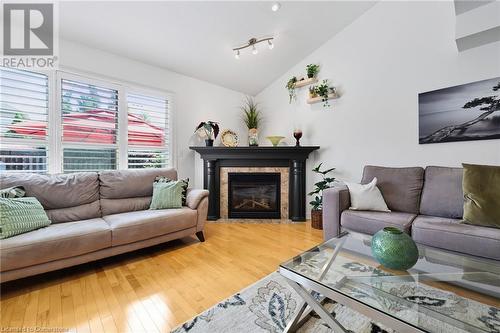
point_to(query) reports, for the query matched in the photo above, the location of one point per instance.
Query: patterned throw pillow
(167, 195)
(13, 192)
(185, 184)
(20, 215)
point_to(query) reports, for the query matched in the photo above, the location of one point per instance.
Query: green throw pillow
(12, 192)
(167, 195)
(481, 187)
(20, 215)
(185, 181)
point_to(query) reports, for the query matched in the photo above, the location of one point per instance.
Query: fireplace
(254, 195)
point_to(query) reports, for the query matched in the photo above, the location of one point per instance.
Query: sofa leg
(200, 236)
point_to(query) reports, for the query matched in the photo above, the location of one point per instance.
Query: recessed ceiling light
(276, 6)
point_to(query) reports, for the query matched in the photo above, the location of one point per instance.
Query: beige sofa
(95, 215)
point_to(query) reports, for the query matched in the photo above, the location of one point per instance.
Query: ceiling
(196, 38)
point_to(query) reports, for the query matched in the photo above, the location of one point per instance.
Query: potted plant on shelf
(210, 130)
(312, 70)
(312, 92)
(252, 118)
(290, 86)
(323, 90)
(317, 193)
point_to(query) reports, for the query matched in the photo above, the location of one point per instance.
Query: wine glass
(297, 134)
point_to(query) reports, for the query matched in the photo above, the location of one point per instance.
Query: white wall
(194, 100)
(380, 63)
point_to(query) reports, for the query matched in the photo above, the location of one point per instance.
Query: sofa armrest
(335, 201)
(194, 197)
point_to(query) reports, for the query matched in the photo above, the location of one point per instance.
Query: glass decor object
(394, 249)
(275, 139)
(297, 134)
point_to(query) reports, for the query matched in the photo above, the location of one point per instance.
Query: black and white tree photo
(460, 113)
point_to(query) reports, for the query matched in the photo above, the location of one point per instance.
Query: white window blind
(24, 107)
(89, 126)
(148, 131)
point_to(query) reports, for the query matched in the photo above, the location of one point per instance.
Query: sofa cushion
(21, 215)
(139, 225)
(131, 183)
(54, 242)
(452, 235)
(442, 194)
(369, 222)
(116, 206)
(60, 191)
(481, 186)
(401, 187)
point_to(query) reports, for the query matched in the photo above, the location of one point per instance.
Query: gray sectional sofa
(95, 215)
(425, 203)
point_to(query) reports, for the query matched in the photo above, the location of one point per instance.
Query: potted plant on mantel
(210, 129)
(252, 118)
(317, 202)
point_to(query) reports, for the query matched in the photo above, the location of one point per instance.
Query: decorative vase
(317, 219)
(394, 249)
(253, 137)
(209, 142)
(310, 76)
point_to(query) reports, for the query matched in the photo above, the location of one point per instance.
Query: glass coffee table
(443, 292)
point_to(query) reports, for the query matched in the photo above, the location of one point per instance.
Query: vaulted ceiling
(196, 38)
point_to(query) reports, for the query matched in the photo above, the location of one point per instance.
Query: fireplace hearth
(254, 195)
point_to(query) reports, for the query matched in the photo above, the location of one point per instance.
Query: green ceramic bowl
(275, 139)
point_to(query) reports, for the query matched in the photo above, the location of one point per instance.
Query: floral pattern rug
(268, 305)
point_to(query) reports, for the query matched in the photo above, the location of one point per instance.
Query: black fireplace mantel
(284, 156)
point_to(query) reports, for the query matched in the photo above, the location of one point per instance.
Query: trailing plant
(290, 85)
(323, 90)
(211, 129)
(251, 113)
(319, 187)
(312, 70)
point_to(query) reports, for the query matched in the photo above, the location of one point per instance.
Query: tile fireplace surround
(224, 178)
(289, 162)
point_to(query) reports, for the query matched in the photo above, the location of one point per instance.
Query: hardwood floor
(155, 289)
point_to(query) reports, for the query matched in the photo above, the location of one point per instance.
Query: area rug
(268, 305)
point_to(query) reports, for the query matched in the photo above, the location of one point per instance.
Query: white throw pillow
(366, 197)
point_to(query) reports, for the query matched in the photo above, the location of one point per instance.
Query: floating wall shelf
(319, 99)
(305, 82)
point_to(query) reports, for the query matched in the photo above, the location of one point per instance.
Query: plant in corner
(317, 193)
(210, 129)
(322, 91)
(312, 70)
(290, 86)
(252, 118)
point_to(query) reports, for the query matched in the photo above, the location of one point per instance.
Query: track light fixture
(252, 42)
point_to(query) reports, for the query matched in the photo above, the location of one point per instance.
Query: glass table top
(443, 292)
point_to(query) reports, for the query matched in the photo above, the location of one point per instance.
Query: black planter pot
(310, 76)
(209, 142)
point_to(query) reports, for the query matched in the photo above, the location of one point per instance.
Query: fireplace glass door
(254, 195)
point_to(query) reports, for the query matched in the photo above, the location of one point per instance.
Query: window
(24, 108)
(89, 126)
(148, 136)
(62, 122)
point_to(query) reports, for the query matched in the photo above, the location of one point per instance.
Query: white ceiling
(196, 38)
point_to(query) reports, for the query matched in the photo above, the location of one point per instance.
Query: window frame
(49, 153)
(54, 142)
(138, 90)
